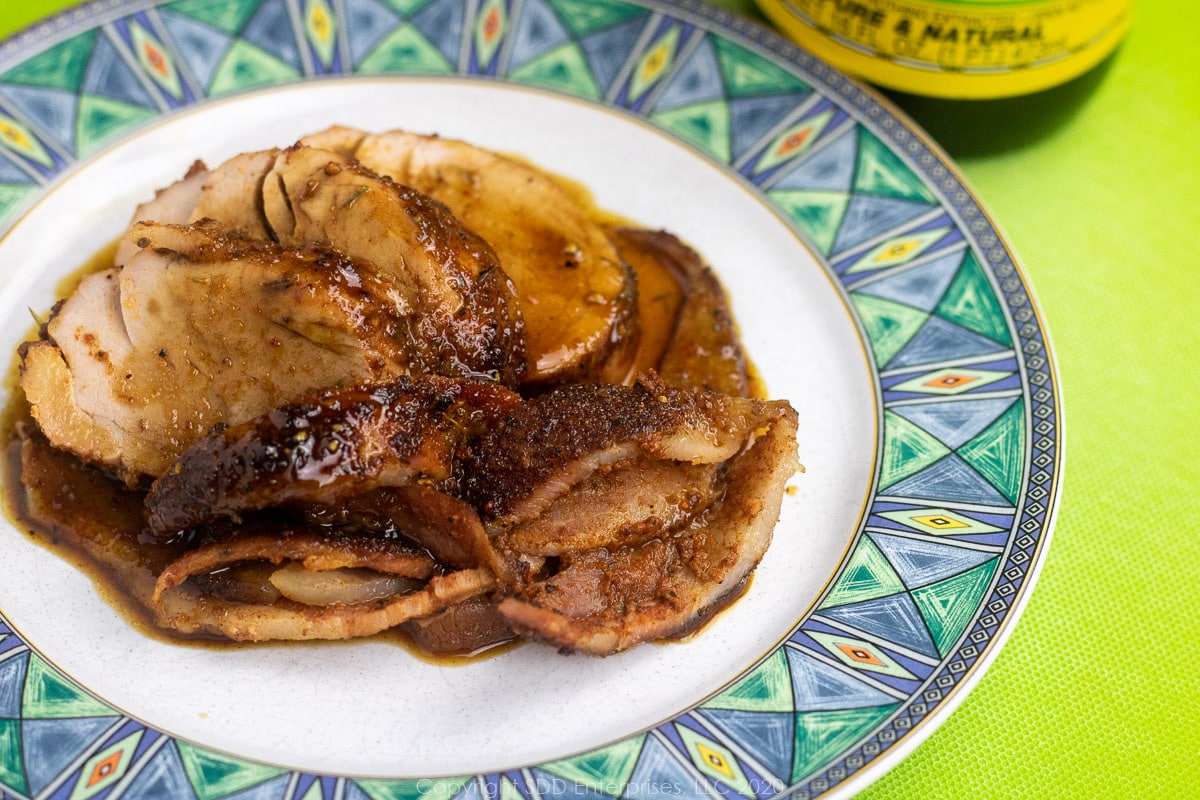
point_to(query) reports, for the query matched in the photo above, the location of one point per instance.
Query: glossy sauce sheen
(81, 512)
(84, 512)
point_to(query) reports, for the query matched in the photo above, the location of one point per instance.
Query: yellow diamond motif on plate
(490, 28)
(654, 63)
(16, 137)
(939, 522)
(898, 250)
(320, 27)
(715, 760)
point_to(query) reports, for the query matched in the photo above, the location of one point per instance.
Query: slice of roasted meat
(328, 587)
(360, 280)
(199, 329)
(445, 279)
(443, 525)
(605, 515)
(462, 629)
(333, 444)
(173, 204)
(377, 381)
(700, 346)
(295, 602)
(578, 299)
(607, 599)
(448, 282)
(641, 510)
(255, 581)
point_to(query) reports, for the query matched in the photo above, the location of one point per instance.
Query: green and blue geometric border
(969, 463)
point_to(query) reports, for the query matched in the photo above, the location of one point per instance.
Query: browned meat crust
(703, 349)
(607, 599)
(311, 360)
(554, 440)
(336, 443)
(578, 299)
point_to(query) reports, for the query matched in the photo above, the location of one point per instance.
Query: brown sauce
(95, 522)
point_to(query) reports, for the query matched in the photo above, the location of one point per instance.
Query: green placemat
(1098, 189)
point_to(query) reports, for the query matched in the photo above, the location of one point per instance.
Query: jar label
(957, 47)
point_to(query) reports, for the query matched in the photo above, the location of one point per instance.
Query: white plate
(871, 290)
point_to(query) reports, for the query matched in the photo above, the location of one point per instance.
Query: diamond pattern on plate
(50, 747)
(19, 140)
(769, 736)
(939, 522)
(950, 381)
(321, 33)
(106, 767)
(654, 63)
(861, 654)
(947, 543)
(155, 60)
(491, 28)
(716, 761)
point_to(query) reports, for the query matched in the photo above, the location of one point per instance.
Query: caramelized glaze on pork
(391, 380)
(578, 297)
(335, 443)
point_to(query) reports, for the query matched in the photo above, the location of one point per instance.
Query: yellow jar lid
(967, 49)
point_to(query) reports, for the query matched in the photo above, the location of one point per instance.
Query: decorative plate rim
(927, 678)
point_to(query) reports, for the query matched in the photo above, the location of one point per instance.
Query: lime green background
(1097, 185)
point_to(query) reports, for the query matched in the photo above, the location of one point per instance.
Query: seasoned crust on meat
(578, 298)
(324, 274)
(393, 380)
(334, 443)
(673, 510)
(557, 438)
